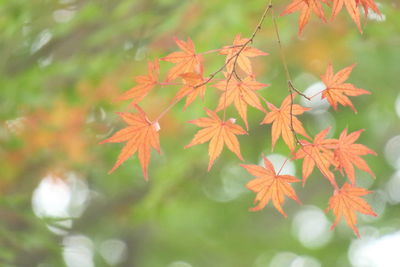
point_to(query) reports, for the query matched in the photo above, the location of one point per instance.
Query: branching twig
(234, 58)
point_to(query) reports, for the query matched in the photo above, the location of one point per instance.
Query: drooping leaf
(218, 132)
(336, 90)
(306, 7)
(368, 4)
(346, 202)
(186, 60)
(141, 135)
(243, 60)
(189, 89)
(318, 153)
(353, 10)
(348, 154)
(240, 93)
(270, 186)
(282, 119)
(144, 84)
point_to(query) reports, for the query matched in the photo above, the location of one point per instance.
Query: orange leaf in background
(219, 132)
(186, 60)
(243, 60)
(145, 84)
(241, 93)
(317, 153)
(141, 135)
(347, 153)
(190, 80)
(336, 91)
(305, 7)
(270, 186)
(281, 122)
(346, 202)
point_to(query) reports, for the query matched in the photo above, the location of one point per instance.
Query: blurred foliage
(62, 64)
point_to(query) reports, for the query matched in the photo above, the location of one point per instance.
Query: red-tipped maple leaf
(240, 93)
(353, 10)
(282, 119)
(317, 153)
(186, 60)
(336, 91)
(346, 202)
(270, 186)
(348, 154)
(189, 89)
(145, 84)
(243, 60)
(141, 135)
(306, 7)
(217, 132)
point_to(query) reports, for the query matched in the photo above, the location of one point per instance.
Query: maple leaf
(336, 91)
(352, 9)
(145, 84)
(282, 119)
(243, 60)
(186, 60)
(348, 154)
(270, 186)
(191, 80)
(368, 4)
(217, 132)
(141, 135)
(318, 153)
(346, 202)
(241, 93)
(306, 7)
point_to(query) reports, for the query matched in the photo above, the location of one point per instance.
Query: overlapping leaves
(240, 89)
(307, 7)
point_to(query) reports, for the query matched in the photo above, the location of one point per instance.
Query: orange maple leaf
(317, 153)
(141, 135)
(368, 4)
(346, 202)
(306, 7)
(269, 185)
(243, 60)
(352, 9)
(219, 132)
(241, 93)
(347, 153)
(186, 60)
(336, 91)
(282, 119)
(191, 80)
(145, 84)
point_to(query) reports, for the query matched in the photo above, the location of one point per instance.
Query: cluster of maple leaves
(306, 7)
(239, 88)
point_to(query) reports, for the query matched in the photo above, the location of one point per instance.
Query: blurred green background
(62, 64)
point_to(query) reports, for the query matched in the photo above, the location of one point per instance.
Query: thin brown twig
(291, 88)
(236, 56)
